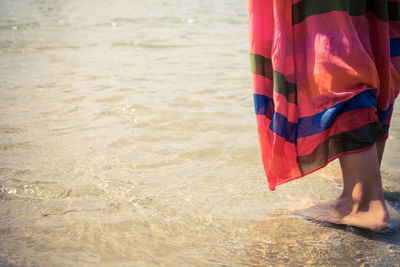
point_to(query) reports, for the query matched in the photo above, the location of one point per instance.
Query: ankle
(362, 196)
(359, 198)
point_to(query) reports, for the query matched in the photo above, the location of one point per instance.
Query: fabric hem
(384, 138)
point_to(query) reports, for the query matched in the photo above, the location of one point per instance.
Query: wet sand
(127, 137)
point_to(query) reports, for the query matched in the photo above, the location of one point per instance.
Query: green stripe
(382, 9)
(263, 66)
(347, 141)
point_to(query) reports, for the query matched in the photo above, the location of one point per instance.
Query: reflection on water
(128, 137)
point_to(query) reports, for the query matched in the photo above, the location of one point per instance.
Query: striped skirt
(325, 77)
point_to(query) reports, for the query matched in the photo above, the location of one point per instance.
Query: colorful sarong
(325, 78)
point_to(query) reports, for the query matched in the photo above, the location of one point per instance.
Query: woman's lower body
(325, 77)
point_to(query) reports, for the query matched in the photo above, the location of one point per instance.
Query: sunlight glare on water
(128, 137)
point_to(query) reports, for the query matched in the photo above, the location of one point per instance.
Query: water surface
(127, 136)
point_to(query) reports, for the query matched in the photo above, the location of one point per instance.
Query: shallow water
(128, 137)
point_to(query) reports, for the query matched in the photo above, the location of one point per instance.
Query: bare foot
(373, 216)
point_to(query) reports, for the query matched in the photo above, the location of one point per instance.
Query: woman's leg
(361, 203)
(380, 147)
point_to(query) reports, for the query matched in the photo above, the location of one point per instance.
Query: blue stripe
(382, 114)
(320, 122)
(264, 105)
(282, 127)
(394, 47)
(317, 123)
(279, 123)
